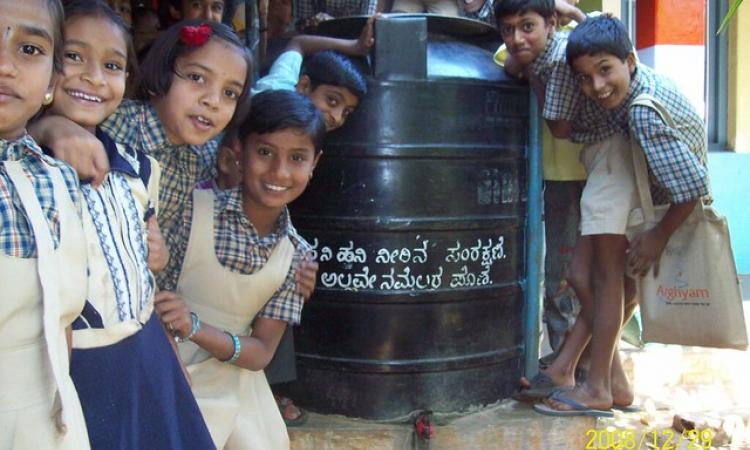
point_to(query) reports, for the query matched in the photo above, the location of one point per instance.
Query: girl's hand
(645, 251)
(74, 145)
(158, 254)
(173, 313)
(306, 276)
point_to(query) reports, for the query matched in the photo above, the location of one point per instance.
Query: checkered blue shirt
(563, 98)
(239, 248)
(16, 235)
(182, 167)
(676, 156)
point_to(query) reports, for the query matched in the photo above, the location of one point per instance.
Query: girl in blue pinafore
(129, 379)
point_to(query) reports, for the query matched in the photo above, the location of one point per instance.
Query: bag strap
(640, 166)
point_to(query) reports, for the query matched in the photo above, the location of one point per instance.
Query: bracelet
(237, 348)
(196, 326)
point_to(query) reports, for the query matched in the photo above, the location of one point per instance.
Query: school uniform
(609, 193)
(676, 157)
(43, 278)
(564, 179)
(255, 277)
(284, 75)
(182, 167)
(129, 380)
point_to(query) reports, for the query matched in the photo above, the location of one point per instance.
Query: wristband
(237, 348)
(196, 326)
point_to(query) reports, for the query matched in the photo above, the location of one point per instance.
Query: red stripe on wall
(676, 22)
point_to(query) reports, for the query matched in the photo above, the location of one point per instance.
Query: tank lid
(460, 27)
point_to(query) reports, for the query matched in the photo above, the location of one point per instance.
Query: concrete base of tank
(508, 425)
(679, 388)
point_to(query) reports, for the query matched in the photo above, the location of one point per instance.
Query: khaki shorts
(610, 192)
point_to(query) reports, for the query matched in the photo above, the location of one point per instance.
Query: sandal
(576, 408)
(287, 409)
(541, 387)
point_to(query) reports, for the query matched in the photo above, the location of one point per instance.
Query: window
(717, 62)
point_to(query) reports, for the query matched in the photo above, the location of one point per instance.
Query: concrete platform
(679, 388)
(704, 387)
(507, 425)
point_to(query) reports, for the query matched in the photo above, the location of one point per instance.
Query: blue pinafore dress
(129, 380)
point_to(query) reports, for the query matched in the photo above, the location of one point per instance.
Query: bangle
(196, 326)
(237, 348)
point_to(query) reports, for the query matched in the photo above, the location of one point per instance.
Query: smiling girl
(128, 377)
(243, 245)
(42, 253)
(195, 82)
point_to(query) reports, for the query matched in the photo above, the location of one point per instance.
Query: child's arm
(513, 67)
(158, 254)
(309, 44)
(74, 145)
(176, 351)
(256, 350)
(646, 248)
(69, 340)
(560, 129)
(677, 169)
(305, 277)
(566, 10)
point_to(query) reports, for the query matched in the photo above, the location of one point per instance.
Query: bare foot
(557, 380)
(622, 391)
(583, 395)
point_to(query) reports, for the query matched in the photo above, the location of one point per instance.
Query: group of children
(102, 277)
(590, 85)
(139, 312)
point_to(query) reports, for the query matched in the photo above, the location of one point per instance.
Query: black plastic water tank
(417, 214)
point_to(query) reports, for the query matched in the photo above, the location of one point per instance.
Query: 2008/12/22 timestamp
(666, 439)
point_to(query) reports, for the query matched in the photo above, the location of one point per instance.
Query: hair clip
(195, 36)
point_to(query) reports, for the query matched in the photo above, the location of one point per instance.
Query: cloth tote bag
(696, 298)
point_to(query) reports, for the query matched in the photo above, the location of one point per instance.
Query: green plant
(728, 17)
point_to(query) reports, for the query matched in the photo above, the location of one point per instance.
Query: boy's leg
(609, 270)
(561, 306)
(622, 390)
(561, 218)
(562, 369)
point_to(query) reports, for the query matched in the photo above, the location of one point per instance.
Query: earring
(311, 175)
(48, 97)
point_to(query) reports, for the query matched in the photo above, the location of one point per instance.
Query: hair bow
(195, 36)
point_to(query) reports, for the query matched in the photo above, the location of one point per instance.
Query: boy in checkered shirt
(602, 58)
(537, 52)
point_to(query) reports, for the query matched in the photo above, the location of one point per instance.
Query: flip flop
(627, 409)
(541, 387)
(284, 405)
(579, 409)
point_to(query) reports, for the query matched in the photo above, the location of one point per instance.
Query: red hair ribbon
(195, 36)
